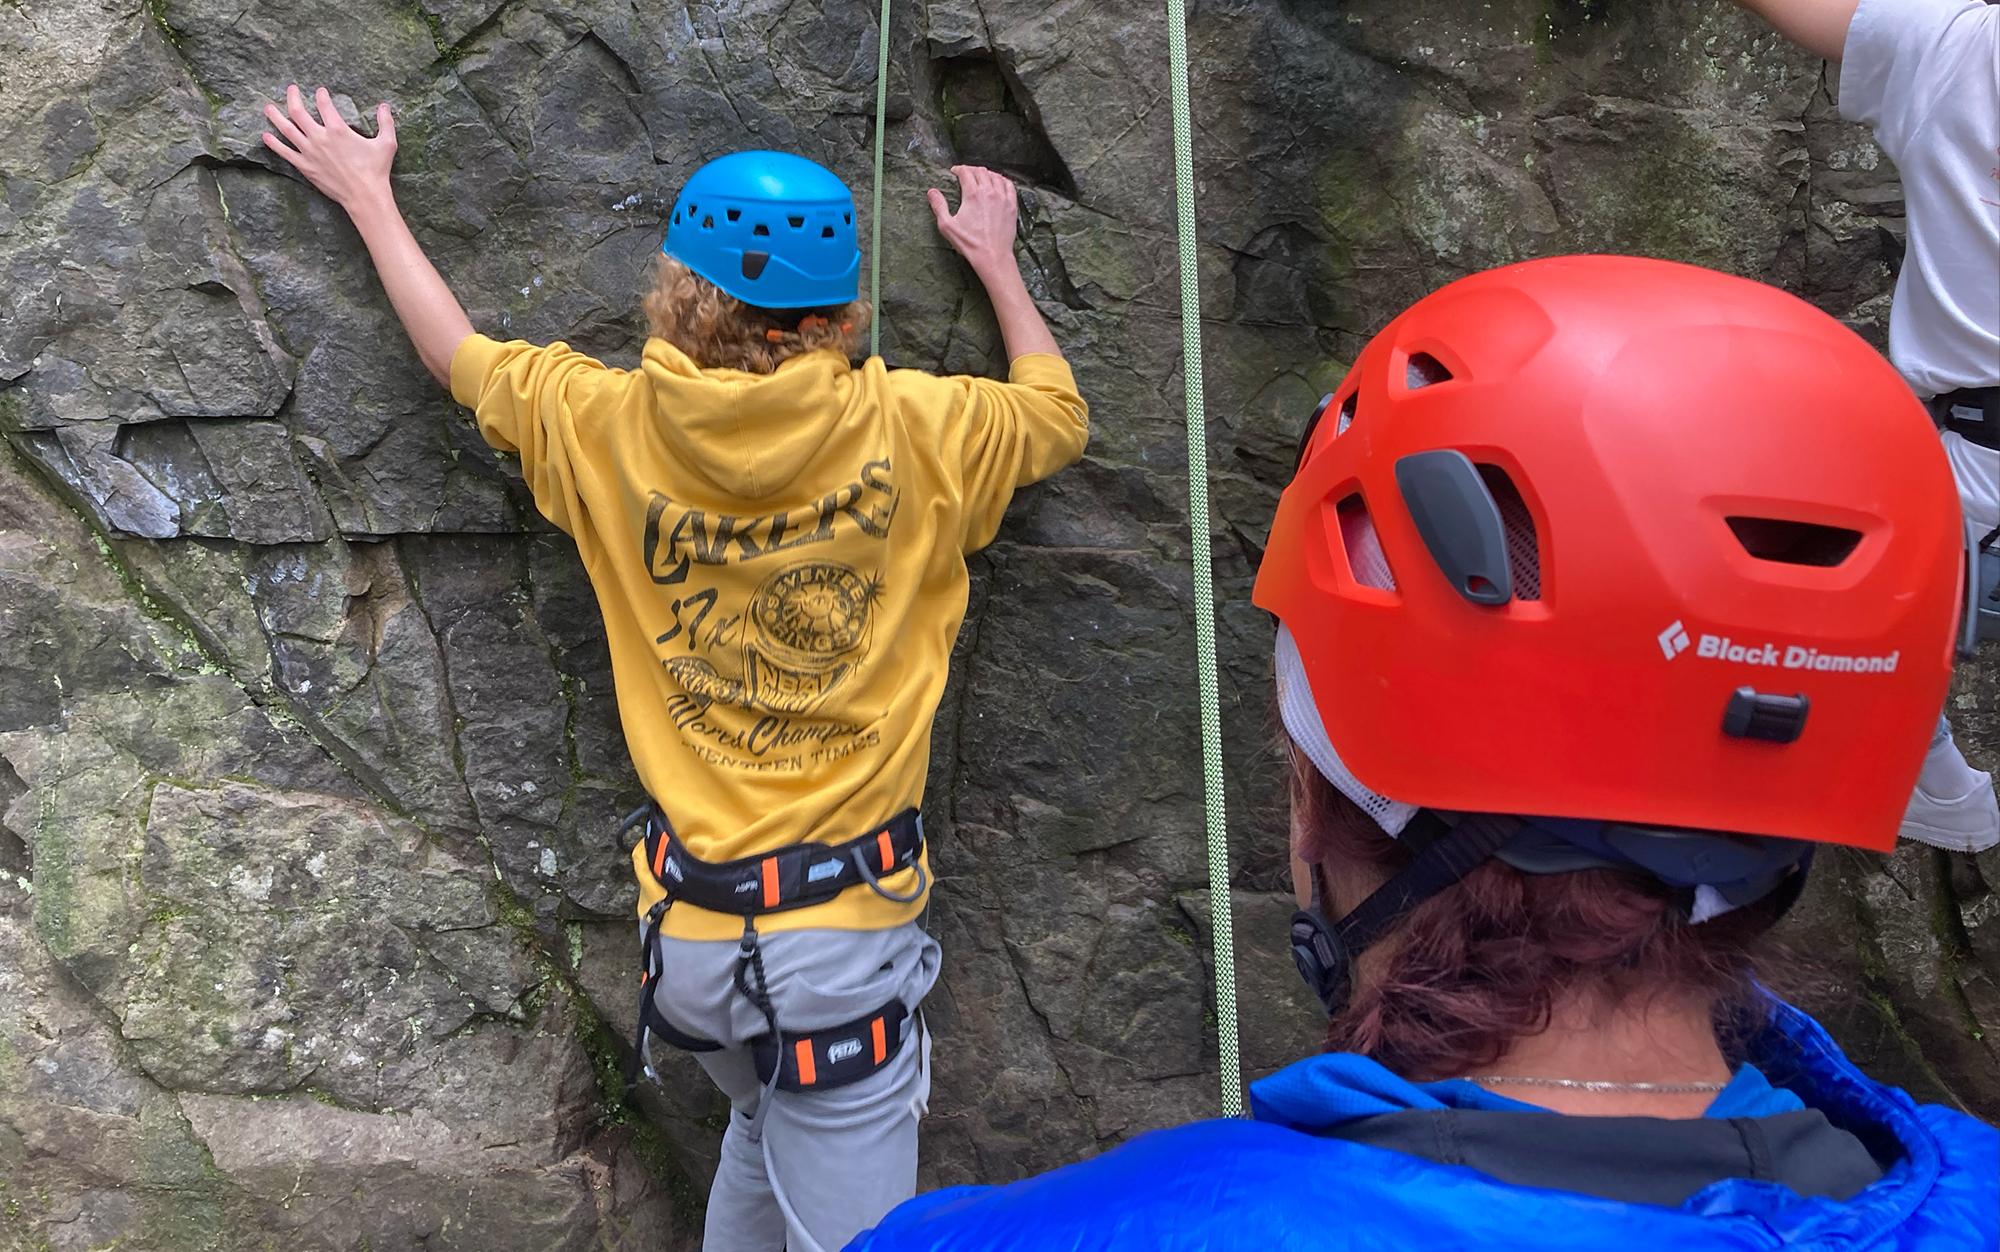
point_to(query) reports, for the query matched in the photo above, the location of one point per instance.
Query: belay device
(797, 876)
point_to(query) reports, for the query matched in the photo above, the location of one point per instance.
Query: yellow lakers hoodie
(780, 560)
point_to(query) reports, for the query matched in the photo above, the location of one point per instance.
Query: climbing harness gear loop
(859, 855)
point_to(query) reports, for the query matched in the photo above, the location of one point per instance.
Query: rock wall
(313, 929)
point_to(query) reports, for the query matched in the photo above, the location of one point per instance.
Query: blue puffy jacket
(1257, 1186)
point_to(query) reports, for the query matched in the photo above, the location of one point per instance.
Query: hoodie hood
(750, 436)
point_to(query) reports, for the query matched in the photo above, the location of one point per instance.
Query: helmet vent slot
(796, 223)
(735, 213)
(1365, 558)
(1524, 552)
(826, 232)
(1306, 435)
(760, 229)
(1312, 424)
(708, 223)
(1424, 370)
(1794, 543)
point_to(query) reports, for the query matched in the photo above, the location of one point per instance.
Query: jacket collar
(1795, 1052)
(1792, 1051)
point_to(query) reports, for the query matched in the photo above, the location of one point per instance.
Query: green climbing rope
(875, 218)
(1204, 579)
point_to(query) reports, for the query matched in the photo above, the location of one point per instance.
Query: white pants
(827, 1164)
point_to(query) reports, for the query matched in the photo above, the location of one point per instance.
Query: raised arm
(352, 170)
(1818, 26)
(983, 232)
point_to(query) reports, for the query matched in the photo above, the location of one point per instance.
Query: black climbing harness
(797, 876)
(1984, 429)
(1982, 557)
(1982, 592)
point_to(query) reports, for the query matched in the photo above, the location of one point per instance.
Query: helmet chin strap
(1735, 869)
(1325, 951)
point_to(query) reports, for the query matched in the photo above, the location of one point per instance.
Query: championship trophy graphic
(808, 628)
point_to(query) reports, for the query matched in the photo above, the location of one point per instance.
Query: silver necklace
(1650, 1088)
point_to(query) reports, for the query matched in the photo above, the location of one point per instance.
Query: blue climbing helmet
(772, 229)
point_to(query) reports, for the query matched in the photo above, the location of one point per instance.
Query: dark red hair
(1484, 963)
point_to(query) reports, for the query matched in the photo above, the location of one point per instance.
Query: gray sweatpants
(828, 1164)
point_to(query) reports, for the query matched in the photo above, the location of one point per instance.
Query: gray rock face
(313, 930)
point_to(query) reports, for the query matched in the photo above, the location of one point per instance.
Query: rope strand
(875, 218)
(1204, 581)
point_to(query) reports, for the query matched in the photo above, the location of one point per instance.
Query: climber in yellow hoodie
(777, 539)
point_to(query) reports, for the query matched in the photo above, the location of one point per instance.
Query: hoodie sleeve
(1015, 433)
(527, 400)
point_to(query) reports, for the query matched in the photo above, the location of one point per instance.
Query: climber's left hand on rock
(348, 166)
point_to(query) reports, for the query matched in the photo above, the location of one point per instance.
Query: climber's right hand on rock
(347, 166)
(983, 232)
(983, 228)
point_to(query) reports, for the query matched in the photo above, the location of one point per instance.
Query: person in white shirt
(1925, 75)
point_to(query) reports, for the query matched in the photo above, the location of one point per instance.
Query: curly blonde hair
(718, 331)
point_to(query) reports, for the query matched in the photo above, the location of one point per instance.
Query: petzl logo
(1674, 640)
(842, 1050)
